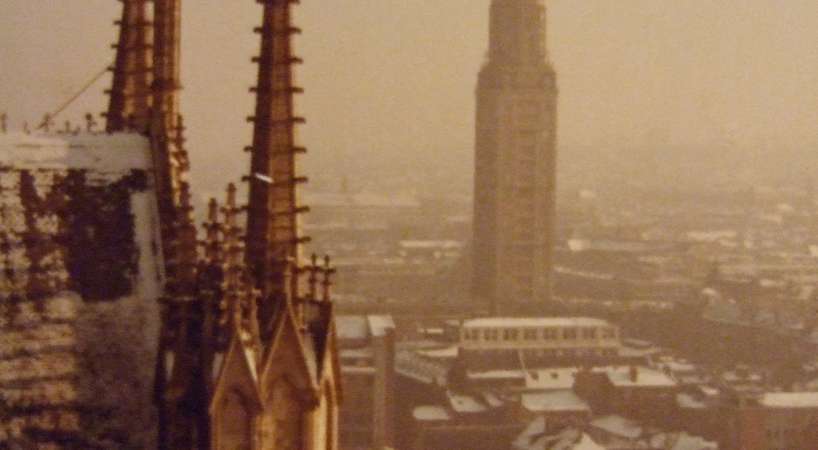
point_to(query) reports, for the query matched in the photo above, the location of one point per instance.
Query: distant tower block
(515, 160)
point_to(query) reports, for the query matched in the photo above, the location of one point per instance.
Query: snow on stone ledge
(103, 153)
(105, 159)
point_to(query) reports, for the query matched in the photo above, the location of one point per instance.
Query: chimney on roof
(634, 374)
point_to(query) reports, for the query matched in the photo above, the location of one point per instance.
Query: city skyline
(668, 300)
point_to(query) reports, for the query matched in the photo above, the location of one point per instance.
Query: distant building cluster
(605, 392)
(389, 245)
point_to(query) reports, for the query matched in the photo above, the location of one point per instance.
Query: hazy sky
(393, 80)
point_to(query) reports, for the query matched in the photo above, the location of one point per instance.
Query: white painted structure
(539, 333)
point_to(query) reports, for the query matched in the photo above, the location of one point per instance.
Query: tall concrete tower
(515, 160)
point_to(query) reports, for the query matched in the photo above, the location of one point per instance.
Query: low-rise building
(635, 392)
(367, 416)
(780, 420)
(540, 342)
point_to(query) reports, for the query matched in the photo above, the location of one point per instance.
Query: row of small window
(533, 334)
(573, 353)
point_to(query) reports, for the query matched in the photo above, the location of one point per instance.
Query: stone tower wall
(79, 281)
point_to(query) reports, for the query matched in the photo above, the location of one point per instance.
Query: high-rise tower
(515, 160)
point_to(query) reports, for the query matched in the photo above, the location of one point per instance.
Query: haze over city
(391, 83)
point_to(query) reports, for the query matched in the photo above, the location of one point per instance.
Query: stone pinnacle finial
(130, 92)
(213, 229)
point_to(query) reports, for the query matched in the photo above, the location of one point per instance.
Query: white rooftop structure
(101, 153)
(637, 377)
(790, 400)
(495, 375)
(551, 379)
(380, 324)
(465, 403)
(682, 441)
(564, 377)
(430, 413)
(687, 401)
(618, 426)
(363, 327)
(351, 327)
(554, 401)
(413, 366)
(534, 437)
(441, 353)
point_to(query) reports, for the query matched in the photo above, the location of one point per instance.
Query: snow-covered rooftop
(534, 437)
(411, 365)
(637, 377)
(492, 399)
(465, 403)
(677, 365)
(618, 426)
(431, 413)
(496, 375)
(554, 401)
(790, 400)
(687, 401)
(380, 324)
(441, 353)
(681, 441)
(362, 327)
(550, 379)
(103, 153)
(631, 352)
(351, 327)
(533, 432)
